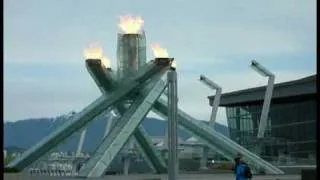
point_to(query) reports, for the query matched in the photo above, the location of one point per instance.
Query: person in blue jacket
(242, 170)
(236, 162)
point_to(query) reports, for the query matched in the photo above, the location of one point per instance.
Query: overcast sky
(45, 75)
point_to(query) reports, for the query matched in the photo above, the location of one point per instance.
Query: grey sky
(44, 72)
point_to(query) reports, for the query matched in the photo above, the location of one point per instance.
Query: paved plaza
(154, 177)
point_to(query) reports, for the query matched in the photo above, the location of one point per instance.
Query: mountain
(12, 149)
(26, 133)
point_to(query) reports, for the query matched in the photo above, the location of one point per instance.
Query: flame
(106, 62)
(93, 52)
(131, 25)
(174, 64)
(159, 52)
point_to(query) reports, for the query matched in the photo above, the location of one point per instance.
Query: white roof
(192, 139)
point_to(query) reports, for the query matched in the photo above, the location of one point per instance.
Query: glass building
(290, 136)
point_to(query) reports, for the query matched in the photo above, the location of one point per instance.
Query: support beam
(215, 106)
(127, 159)
(109, 125)
(166, 139)
(106, 82)
(81, 119)
(216, 100)
(266, 108)
(173, 159)
(267, 98)
(124, 128)
(150, 154)
(81, 141)
(204, 158)
(223, 145)
(63, 132)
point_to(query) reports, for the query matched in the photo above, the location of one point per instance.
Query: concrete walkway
(24, 176)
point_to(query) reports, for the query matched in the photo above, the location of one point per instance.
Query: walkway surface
(154, 177)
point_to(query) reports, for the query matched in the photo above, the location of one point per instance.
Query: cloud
(44, 73)
(46, 96)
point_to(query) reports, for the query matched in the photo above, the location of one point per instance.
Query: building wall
(290, 137)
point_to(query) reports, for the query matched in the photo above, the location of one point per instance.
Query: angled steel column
(81, 141)
(216, 100)
(267, 98)
(223, 145)
(150, 154)
(125, 127)
(127, 160)
(81, 119)
(108, 125)
(166, 133)
(101, 85)
(108, 83)
(266, 107)
(63, 132)
(173, 159)
(215, 106)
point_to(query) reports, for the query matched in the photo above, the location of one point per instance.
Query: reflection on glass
(290, 134)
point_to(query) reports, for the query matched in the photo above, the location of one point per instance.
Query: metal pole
(267, 98)
(127, 160)
(204, 157)
(4, 155)
(81, 141)
(109, 124)
(266, 107)
(173, 161)
(215, 107)
(216, 101)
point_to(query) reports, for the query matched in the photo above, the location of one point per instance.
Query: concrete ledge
(308, 174)
(16, 176)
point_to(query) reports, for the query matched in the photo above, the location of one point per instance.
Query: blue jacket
(240, 172)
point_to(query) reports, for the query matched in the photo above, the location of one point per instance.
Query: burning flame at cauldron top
(93, 52)
(174, 64)
(106, 62)
(159, 52)
(131, 25)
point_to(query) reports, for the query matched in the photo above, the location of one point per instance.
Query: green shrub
(11, 170)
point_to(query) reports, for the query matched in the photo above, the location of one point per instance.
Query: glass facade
(290, 136)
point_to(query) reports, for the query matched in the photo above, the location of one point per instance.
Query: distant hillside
(11, 149)
(26, 133)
